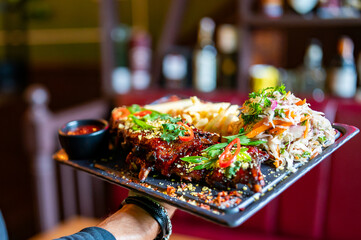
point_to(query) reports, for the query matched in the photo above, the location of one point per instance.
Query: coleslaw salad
(292, 130)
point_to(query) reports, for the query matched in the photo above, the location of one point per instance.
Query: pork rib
(145, 155)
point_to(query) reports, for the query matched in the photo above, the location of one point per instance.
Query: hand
(132, 222)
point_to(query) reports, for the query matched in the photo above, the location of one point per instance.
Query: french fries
(213, 117)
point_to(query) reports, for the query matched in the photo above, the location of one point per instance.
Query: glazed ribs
(147, 153)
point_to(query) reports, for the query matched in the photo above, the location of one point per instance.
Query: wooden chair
(78, 192)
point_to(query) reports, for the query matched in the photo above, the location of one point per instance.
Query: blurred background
(61, 60)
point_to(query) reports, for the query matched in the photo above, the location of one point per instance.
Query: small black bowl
(85, 145)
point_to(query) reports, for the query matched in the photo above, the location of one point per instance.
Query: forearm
(132, 222)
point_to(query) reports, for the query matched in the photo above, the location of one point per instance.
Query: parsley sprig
(171, 131)
(262, 100)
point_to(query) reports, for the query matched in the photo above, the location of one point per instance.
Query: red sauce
(86, 129)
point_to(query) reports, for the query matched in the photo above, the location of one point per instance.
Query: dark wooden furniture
(77, 192)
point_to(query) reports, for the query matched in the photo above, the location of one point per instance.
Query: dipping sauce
(85, 129)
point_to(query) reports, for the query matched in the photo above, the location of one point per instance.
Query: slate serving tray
(197, 198)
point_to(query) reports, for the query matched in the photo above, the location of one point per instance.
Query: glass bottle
(205, 58)
(343, 75)
(140, 57)
(272, 8)
(313, 76)
(175, 70)
(121, 78)
(227, 44)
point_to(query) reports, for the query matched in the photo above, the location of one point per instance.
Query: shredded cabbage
(293, 131)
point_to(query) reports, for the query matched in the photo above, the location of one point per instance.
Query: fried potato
(212, 117)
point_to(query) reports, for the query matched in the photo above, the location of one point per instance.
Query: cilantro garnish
(170, 119)
(210, 155)
(242, 157)
(171, 131)
(262, 101)
(233, 169)
(268, 92)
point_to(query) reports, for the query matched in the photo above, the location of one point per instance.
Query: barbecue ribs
(148, 149)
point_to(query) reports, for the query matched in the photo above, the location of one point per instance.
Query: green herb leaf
(151, 117)
(243, 155)
(305, 154)
(199, 167)
(322, 139)
(134, 108)
(253, 95)
(172, 131)
(167, 117)
(215, 147)
(244, 140)
(141, 123)
(256, 107)
(194, 159)
(233, 169)
(215, 153)
(267, 103)
(208, 164)
(281, 89)
(282, 151)
(280, 113)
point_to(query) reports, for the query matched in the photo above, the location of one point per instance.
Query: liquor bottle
(205, 58)
(121, 78)
(343, 75)
(227, 47)
(329, 9)
(272, 8)
(313, 75)
(175, 68)
(140, 56)
(303, 6)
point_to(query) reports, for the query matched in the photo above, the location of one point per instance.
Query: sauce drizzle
(82, 130)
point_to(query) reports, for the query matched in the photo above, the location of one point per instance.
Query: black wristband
(158, 212)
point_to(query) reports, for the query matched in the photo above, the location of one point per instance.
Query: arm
(132, 222)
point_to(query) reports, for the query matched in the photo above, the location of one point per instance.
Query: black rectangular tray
(199, 199)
